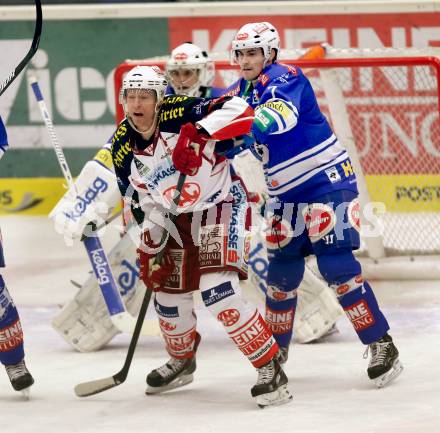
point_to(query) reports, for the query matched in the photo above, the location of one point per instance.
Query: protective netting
(393, 113)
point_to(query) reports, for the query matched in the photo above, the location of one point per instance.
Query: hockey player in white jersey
(313, 205)
(11, 332)
(209, 239)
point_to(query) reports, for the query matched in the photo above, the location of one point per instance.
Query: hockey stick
(119, 316)
(34, 47)
(92, 387)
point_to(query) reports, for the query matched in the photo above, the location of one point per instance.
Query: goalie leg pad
(343, 273)
(317, 308)
(84, 322)
(177, 322)
(245, 326)
(284, 277)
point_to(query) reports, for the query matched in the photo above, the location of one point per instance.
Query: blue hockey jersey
(302, 158)
(3, 138)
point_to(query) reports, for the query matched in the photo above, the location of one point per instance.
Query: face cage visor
(188, 73)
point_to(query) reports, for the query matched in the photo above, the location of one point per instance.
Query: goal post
(384, 106)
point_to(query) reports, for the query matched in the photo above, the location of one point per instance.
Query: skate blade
(390, 375)
(177, 383)
(276, 398)
(26, 393)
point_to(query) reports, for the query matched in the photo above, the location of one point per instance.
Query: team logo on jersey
(354, 213)
(292, 69)
(189, 195)
(228, 317)
(280, 233)
(320, 219)
(263, 79)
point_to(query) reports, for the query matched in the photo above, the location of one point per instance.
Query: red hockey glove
(187, 155)
(155, 275)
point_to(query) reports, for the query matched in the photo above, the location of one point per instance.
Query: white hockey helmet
(149, 78)
(256, 35)
(190, 57)
(145, 78)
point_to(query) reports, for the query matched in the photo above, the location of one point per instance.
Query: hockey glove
(187, 155)
(155, 275)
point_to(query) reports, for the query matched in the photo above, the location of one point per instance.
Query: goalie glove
(187, 155)
(94, 199)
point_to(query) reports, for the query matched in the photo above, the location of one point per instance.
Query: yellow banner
(30, 196)
(400, 193)
(406, 193)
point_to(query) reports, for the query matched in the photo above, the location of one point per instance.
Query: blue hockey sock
(279, 317)
(11, 334)
(362, 309)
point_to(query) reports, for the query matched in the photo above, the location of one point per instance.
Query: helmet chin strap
(147, 133)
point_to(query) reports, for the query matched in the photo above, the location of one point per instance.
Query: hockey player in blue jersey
(190, 71)
(11, 333)
(313, 207)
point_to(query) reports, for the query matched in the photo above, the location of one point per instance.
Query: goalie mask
(256, 35)
(143, 81)
(188, 69)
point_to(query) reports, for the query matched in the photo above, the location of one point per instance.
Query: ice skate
(271, 388)
(20, 377)
(384, 365)
(174, 374)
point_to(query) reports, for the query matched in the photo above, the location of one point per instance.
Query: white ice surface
(331, 391)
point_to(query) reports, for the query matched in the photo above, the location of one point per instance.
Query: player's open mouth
(138, 115)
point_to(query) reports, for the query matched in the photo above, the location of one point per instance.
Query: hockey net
(384, 106)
